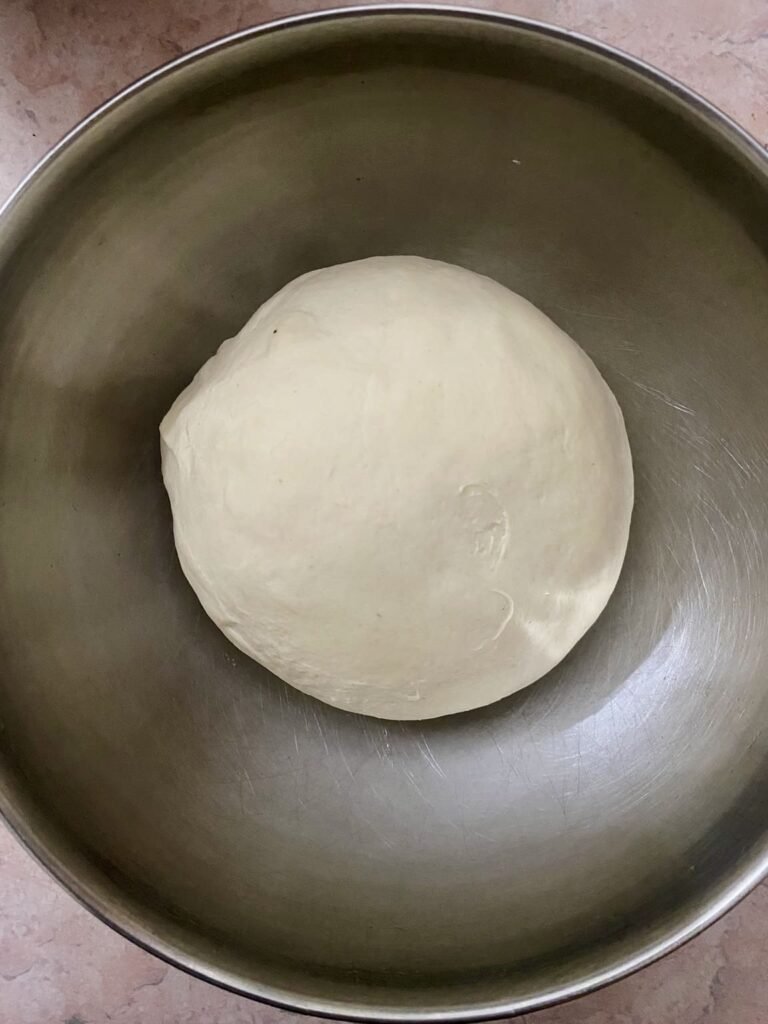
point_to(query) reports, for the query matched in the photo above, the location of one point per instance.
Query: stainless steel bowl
(457, 869)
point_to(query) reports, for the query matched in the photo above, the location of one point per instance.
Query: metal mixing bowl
(460, 868)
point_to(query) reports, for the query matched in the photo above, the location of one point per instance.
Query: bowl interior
(486, 862)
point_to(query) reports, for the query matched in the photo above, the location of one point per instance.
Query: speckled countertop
(58, 59)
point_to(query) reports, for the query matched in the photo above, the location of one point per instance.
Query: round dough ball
(401, 488)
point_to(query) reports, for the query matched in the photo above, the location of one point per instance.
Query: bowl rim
(100, 898)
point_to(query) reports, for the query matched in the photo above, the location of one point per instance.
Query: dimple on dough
(400, 487)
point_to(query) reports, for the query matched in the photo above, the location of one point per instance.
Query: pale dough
(401, 487)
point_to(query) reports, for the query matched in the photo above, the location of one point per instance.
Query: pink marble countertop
(59, 965)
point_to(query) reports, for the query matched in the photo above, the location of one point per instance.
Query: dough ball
(401, 488)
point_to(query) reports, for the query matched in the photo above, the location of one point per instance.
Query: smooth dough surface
(400, 487)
